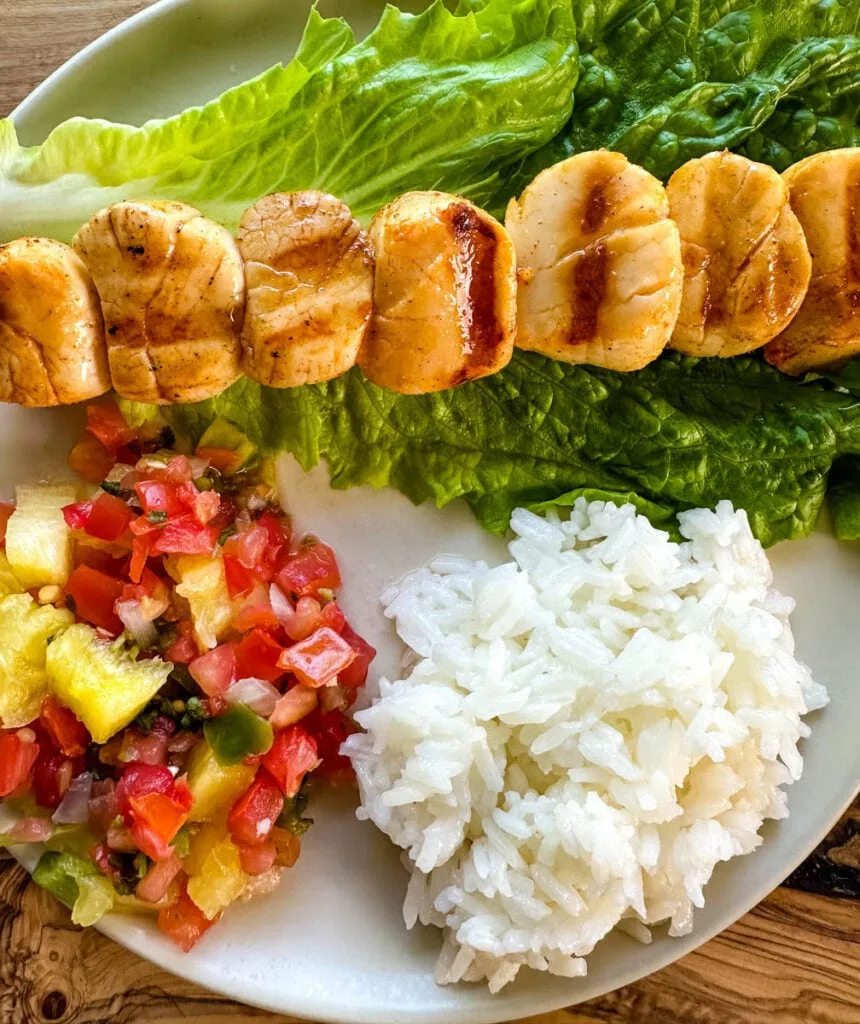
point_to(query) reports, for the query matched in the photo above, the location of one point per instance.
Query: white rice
(587, 732)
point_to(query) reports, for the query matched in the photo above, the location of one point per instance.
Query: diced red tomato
(295, 704)
(257, 656)
(98, 558)
(67, 732)
(288, 846)
(100, 853)
(185, 536)
(179, 470)
(215, 670)
(78, 514)
(95, 595)
(255, 613)
(156, 818)
(139, 780)
(108, 424)
(255, 812)
(52, 775)
(207, 504)
(17, 757)
(257, 860)
(292, 755)
(333, 617)
(355, 675)
(91, 459)
(222, 459)
(140, 551)
(185, 923)
(330, 729)
(109, 518)
(318, 659)
(184, 648)
(279, 533)
(154, 886)
(240, 581)
(158, 497)
(250, 546)
(313, 569)
(301, 621)
(6, 510)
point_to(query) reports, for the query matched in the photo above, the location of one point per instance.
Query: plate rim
(501, 1009)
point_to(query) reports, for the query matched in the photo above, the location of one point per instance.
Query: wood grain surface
(794, 960)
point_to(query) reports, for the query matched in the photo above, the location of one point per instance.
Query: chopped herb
(182, 842)
(292, 816)
(195, 714)
(228, 533)
(141, 864)
(112, 487)
(157, 515)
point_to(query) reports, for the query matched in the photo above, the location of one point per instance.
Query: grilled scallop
(52, 341)
(599, 263)
(746, 263)
(824, 191)
(172, 288)
(444, 296)
(309, 278)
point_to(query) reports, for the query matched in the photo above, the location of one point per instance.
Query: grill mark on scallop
(474, 268)
(589, 289)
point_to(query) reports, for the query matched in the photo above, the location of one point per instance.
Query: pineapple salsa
(174, 666)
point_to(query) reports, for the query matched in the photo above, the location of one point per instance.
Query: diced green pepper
(237, 734)
(76, 882)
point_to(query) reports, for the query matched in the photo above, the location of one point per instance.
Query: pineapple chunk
(8, 580)
(215, 787)
(203, 584)
(38, 542)
(25, 631)
(101, 681)
(220, 879)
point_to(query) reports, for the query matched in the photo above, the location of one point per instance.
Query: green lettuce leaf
(681, 433)
(364, 121)
(667, 80)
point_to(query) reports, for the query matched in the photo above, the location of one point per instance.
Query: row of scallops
(597, 263)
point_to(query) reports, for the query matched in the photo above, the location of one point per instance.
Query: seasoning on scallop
(309, 279)
(824, 191)
(52, 340)
(599, 263)
(444, 295)
(746, 263)
(172, 288)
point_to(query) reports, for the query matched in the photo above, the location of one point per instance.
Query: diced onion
(132, 617)
(74, 807)
(333, 698)
(299, 622)
(31, 830)
(198, 466)
(256, 694)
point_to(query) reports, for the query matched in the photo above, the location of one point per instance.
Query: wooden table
(794, 960)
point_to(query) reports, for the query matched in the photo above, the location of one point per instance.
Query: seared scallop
(746, 262)
(309, 280)
(444, 298)
(52, 340)
(824, 191)
(172, 288)
(599, 263)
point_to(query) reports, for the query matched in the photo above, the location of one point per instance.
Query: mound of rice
(587, 731)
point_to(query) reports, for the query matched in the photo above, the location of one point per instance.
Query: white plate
(330, 943)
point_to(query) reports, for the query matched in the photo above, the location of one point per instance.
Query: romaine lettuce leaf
(681, 433)
(365, 121)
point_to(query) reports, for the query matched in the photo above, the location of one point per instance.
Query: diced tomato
(185, 923)
(66, 731)
(179, 470)
(155, 885)
(215, 670)
(91, 459)
(143, 748)
(52, 775)
(355, 675)
(255, 613)
(288, 846)
(78, 514)
(257, 860)
(6, 510)
(185, 536)
(222, 459)
(291, 757)
(295, 704)
(109, 518)
(17, 757)
(301, 621)
(250, 546)
(313, 569)
(206, 506)
(257, 656)
(240, 581)
(333, 617)
(184, 648)
(318, 659)
(108, 424)
(255, 812)
(139, 780)
(140, 551)
(330, 729)
(95, 595)
(150, 588)
(100, 853)
(156, 818)
(158, 497)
